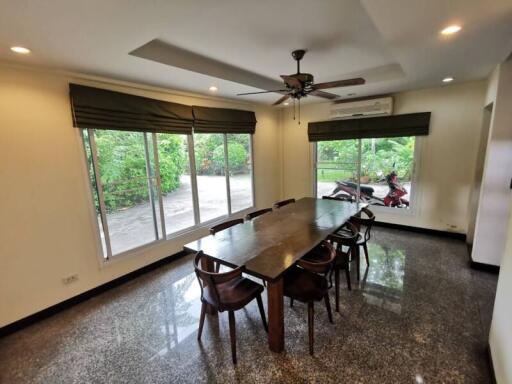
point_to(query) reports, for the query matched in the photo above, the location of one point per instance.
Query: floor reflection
(180, 306)
(414, 317)
(383, 282)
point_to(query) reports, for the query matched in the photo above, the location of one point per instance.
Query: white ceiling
(395, 45)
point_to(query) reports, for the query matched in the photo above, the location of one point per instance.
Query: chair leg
(291, 303)
(311, 318)
(347, 274)
(365, 247)
(201, 321)
(358, 263)
(232, 335)
(337, 288)
(328, 307)
(217, 267)
(262, 312)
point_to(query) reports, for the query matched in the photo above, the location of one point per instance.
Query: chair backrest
(254, 214)
(346, 236)
(210, 280)
(280, 204)
(321, 266)
(225, 225)
(339, 198)
(366, 222)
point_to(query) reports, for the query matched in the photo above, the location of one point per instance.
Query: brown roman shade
(412, 124)
(221, 120)
(104, 109)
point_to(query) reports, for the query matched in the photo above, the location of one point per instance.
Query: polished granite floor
(419, 316)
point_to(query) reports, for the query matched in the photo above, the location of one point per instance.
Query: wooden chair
(280, 204)
(340, 198)
(307, 282)
(225, 225)
(364, 235)
(227, 291)
(254, 214)
(345, 237)
(221, 227)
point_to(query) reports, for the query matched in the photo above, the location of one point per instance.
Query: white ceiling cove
(242, 46)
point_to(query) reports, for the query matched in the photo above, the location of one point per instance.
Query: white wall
(46, 226)
(494, 208)
(447, 159)
(500, 338)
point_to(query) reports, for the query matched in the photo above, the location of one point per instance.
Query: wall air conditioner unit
(362, 108)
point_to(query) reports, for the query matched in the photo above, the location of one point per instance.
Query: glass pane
(122, 166)
(92, 178)
(211, 181)
(175, 182)
(337, 168)
(240, 171)
(386, 168)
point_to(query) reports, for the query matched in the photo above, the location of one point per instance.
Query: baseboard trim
(428, 231)
(491, 364)
(483, 267)
(56, 308)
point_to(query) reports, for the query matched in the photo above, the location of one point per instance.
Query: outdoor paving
(132, 227)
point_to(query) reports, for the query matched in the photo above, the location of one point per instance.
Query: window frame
(414, 198)
(104, 247)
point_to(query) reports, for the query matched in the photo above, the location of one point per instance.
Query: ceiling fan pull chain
(293, 109)
(299, 111)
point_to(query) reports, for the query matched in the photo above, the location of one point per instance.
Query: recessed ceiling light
(22, 50)
(447, 79)
(287, 103)
(451, 29)
(213, 88)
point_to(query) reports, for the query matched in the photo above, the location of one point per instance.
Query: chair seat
(303, 285)
(234, 294)
(344, 233)
(319, 253)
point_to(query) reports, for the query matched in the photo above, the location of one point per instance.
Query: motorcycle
(347, 190)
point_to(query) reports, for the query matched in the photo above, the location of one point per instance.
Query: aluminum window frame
(414, 198)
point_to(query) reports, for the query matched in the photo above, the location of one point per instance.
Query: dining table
(268, 245)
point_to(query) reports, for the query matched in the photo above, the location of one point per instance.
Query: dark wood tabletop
(268, 245)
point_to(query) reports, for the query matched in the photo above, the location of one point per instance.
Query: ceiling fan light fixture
(286, 103)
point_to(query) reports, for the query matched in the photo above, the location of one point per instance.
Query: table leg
(275, 315)
(208, 265)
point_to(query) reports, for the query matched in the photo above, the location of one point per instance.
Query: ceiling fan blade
(340, 83)
(256, 93)
(285, 97)
(325, 95)
(292, 81)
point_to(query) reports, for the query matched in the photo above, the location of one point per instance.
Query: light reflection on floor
(382, 284)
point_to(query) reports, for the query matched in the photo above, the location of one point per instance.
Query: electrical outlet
(70, 279)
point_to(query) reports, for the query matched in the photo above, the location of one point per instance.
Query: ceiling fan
(299, 85)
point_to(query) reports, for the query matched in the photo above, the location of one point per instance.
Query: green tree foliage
(204, 146)
(337, 160)
(237, 158)
(122, 164)
(209, 150)
(173, 159)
